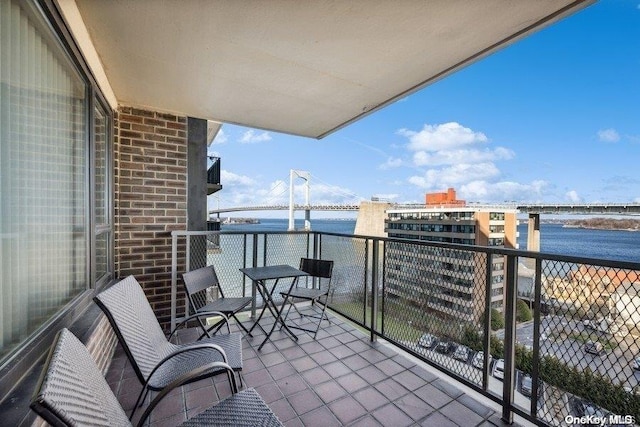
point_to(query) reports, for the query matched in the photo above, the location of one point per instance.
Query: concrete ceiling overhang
(300, 67)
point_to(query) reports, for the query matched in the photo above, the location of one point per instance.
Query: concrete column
(533, 233)
(197, 189)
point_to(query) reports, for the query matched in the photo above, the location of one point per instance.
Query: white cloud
(462, 158)
(496, 192)
(231, 179)
(251, 136)
(392, 162)
(454, 175)
(446, 136)
(242, 190)
(220, 138)
(451, 157)
(608, 135)
(572, 196)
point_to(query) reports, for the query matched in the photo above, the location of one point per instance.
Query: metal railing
(213, 171)
(560, 332)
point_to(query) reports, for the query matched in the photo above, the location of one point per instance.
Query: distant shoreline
(606, 224)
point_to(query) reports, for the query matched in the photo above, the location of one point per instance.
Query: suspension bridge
(276, 200)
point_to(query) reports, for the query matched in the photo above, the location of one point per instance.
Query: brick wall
(150, 199)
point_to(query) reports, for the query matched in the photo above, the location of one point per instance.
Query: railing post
(174, 278)
(365, 290)
(374, 288)
(254, 263)
(486, 345)
(511, 292)
(535, 372)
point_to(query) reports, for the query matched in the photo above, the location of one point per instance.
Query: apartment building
(450, 277)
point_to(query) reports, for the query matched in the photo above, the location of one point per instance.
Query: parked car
(498, 369)
(526, 385)
(636, 363)
(461, 353)
(444, 347)
(593, 347)
(478, 360)
(427, 340)
(588, 409)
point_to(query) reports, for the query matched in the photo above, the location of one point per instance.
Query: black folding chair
(313, 288)
(196, 284)
(73, 392)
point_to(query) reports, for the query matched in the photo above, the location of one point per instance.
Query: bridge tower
(307, 212)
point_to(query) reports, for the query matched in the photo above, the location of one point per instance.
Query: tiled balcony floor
(341, 378)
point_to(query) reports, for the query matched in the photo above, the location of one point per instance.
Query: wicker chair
(196, 283)
(72, 391)
(156, 361)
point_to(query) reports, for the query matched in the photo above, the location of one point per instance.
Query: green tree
(523, 313)
(471, 338)
(497, 320)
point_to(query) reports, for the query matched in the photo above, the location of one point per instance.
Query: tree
(497, 320)
(523, 313)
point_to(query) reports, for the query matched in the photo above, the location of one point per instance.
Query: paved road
(615, 363)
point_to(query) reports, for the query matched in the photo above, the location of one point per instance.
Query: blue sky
(552, 118)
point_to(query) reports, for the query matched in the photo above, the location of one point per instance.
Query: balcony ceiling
(300, 67)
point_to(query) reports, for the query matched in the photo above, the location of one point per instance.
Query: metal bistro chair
(72, 391)
(196, 283)
(318, 270)
(156, 361)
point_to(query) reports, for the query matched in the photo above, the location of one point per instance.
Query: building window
(102, 193)
(45, 204)
(496, 216)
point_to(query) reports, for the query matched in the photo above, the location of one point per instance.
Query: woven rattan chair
(311, 288)
(72, 391)
(196, 284)
(155, 360)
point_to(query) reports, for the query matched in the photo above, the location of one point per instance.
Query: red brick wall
(150, 199)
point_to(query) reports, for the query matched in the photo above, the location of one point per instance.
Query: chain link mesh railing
(349, 295)
(576, 340)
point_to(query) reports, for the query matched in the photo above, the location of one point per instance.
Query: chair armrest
(200, 314)
(198, 346)
(184, 379)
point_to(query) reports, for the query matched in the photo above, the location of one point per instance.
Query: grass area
(401, 322)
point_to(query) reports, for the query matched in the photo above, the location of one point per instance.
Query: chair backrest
(72, 390)
(317, 267)
(196, 282)
(136, 326)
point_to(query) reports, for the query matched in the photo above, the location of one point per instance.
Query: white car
(498, 369)
(427, 340)
(478, 360)
(527, 385)
(461, 353)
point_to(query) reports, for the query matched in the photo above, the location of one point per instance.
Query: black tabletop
(272, 272)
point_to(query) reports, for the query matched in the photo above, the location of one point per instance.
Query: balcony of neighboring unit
(213, 175)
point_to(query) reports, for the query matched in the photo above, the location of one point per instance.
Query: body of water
(554, 238)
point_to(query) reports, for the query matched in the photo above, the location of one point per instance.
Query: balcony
(547, 351)
(213, 175)
(341, 378)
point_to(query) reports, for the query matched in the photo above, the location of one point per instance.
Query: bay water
(616, 245)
